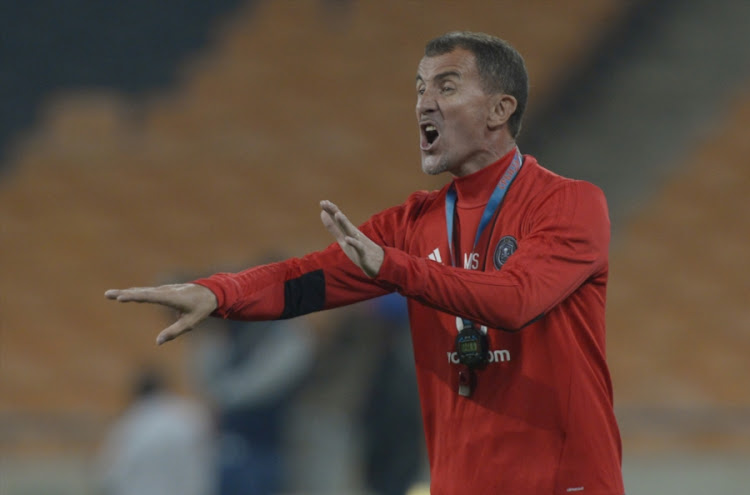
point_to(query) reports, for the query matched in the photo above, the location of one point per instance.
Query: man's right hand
(193, 302)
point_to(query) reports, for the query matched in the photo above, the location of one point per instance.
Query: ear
(502, 107)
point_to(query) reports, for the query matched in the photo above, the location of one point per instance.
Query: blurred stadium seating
(286, 107)
(290, 103)
(678, 305)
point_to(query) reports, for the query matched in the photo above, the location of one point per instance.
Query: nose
(426, 103)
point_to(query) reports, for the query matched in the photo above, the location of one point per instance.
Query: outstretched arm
(279, 290)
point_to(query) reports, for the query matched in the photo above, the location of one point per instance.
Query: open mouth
(430, 134)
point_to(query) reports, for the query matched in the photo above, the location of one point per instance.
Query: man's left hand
(358, 247)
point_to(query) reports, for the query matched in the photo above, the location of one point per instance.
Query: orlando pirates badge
(506, 247)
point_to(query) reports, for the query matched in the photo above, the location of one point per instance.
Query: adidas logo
(435, 256)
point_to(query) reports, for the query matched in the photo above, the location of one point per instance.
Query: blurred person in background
(356, 427)
(324, 437)
(389, 415)
(250, 373)
(162, 443)
(505, 269)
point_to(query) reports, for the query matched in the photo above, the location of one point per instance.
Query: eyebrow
(442, 75)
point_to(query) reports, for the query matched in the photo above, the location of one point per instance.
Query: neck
(483, 159)
(474, 190)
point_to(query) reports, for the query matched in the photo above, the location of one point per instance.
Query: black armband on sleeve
(305, 294)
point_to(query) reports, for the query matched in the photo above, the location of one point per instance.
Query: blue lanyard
(489, 211)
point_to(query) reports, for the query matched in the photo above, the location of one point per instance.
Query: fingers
(166, 295)
(174, 330)
(370, 255)
(365, 253)
(331, 226)
(346, 226)
(134, 294)
(356, 244)
(336, 216)
(193, 302)
(329, 207)
(330, 215)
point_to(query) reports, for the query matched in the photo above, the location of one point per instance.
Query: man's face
(452, 111)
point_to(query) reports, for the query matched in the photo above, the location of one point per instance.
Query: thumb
(182, 325)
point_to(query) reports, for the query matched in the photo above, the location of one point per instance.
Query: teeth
(430, 128)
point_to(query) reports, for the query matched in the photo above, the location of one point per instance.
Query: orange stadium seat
(678, 309)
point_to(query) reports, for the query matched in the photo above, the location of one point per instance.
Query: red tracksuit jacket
(540, 420)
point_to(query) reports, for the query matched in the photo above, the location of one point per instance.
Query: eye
(447, 88)
(420, 91)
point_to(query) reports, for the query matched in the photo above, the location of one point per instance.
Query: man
(505, 269)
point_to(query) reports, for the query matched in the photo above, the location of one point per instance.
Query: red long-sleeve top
(540, 419)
